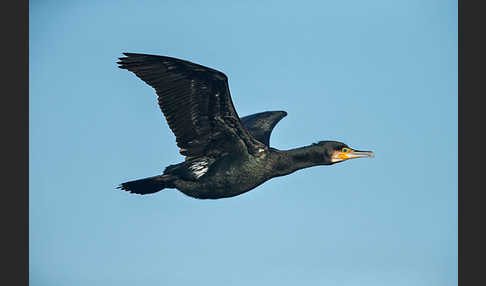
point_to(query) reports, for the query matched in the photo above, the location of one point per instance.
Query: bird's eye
(345, 150)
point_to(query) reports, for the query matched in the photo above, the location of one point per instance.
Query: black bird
(225, 155)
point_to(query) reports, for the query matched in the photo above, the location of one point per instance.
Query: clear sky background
(378, 75)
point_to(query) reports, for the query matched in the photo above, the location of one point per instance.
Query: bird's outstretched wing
(195, 100)
(260, 125)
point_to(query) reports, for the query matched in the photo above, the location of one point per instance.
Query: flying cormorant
(225, 155)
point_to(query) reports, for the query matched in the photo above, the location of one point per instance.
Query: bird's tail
(148, 185)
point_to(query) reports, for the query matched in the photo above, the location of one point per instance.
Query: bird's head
(338, 152)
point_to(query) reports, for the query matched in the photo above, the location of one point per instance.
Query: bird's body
(225, 155)
(227, 176)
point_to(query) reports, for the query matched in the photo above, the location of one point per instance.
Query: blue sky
(377, 75)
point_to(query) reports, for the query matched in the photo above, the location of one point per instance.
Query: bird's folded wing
(193, 99)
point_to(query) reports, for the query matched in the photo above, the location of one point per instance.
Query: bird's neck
(301, 158)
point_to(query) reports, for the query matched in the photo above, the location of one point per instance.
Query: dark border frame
(14, 22)
(470, 131)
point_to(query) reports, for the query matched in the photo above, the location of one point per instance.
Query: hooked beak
(339, 156)
(359, 154)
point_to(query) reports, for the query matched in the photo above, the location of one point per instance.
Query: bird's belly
(225, 182)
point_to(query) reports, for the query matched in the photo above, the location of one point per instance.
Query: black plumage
(225, 155)
(260, 125)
